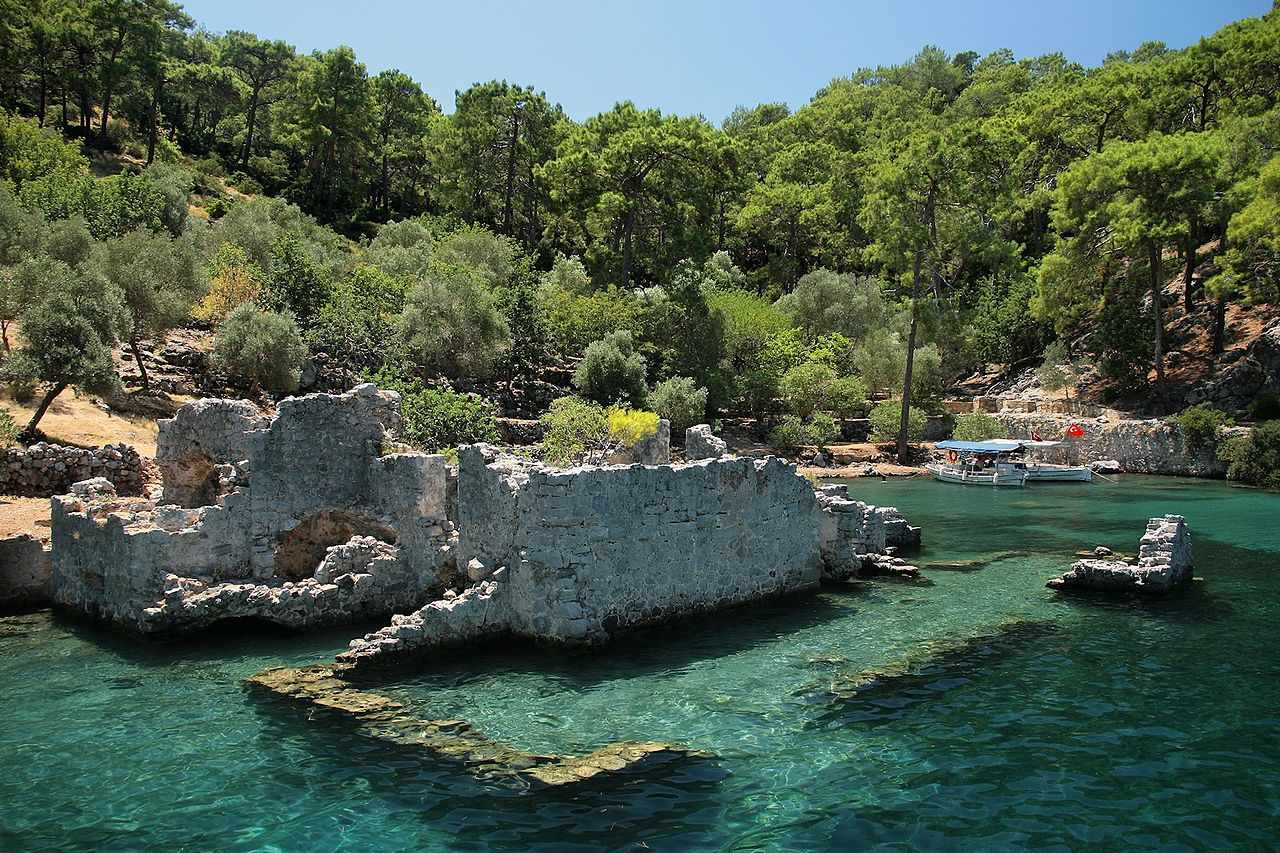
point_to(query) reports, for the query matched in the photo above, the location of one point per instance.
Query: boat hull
(962, 477)
(1059, 474)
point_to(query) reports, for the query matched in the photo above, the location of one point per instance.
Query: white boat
(1039, 470)
(974, 473)
(1000, 462)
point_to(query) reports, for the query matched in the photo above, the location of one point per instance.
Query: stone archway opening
(191, 481)
(299, 551)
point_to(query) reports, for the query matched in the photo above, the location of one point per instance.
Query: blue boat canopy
(998, 445)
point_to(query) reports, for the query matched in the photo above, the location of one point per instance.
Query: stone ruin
(303, 519)
(298, 520)
(1163, 563)
(575, 556)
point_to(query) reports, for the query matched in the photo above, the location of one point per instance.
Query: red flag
(1075, 431)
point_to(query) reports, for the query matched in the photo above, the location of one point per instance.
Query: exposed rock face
(43, 470)
(1164, 562)
(303, 522)
(1255, 371)
(1139, 446)
(699, 443)
(25, 572)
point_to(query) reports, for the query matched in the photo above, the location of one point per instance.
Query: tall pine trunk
(905, 421)
(1157, 313)
(508, 213)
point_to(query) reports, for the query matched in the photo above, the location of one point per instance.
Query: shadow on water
(678, 799)
(883, 694)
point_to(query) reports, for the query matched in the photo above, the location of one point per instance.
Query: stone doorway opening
(299, 551)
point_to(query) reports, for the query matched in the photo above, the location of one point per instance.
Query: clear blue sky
(700, 57)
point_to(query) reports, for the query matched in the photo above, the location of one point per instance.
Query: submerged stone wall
(43, 470)
(310, 526)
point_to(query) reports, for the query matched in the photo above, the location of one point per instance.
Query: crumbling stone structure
(25, 572)
(574, 556)
(300, 519)
(1164, 562)
(43, 470)
(699, 443)
(297, 519)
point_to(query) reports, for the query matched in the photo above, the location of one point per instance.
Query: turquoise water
(1101, 725)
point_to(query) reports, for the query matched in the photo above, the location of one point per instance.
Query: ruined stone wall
(302, 521)
(1164, 562)
(574, 556)
(25, 573)
(43, 470)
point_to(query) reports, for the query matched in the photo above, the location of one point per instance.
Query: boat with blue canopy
(1003, 462)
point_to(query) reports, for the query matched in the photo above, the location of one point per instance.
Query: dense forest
(907, 226)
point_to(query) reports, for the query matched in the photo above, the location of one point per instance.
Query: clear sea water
(1116, 725)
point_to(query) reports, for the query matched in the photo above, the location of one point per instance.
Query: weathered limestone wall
(1140, 446)
(699, 443)
(25, 572)
(1164, 562)
(596, 550)
(302, 521)
(574, 556)
(43, 470)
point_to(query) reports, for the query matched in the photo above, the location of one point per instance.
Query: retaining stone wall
(43, 470)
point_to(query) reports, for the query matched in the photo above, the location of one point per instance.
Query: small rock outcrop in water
(699, 443)
(1164, 562)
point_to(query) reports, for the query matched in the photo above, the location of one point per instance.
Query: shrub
(568, 274)
(233, 280)
(572, 322)
(8, 429)
(438, 420)
(822, 430)
(628, 427)
(354, 325)
(886, 418)
(174, 183)
(680, 401)
(451, 323)
(804, 387)
(612, 371)
(1254, 458)
(294, 282)
(977, 426)
(1265, 407)
(789, 434)
(261, 347)
(573, 428)
(1200, 425)
(758, 392)
(847, 396)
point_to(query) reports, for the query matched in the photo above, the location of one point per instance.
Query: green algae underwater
(975, 710)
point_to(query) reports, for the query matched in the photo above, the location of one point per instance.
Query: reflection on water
(1118, 724)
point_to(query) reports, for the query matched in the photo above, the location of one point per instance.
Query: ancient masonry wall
(25, 571)
(43, 470)
(575, 556)
(310, 526)
(1164, 562)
